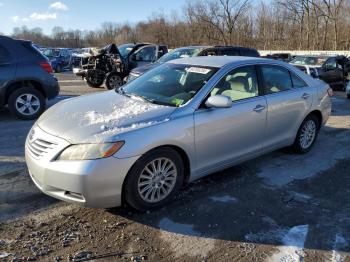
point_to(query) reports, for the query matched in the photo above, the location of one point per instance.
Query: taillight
(47, 67)
(330, 92)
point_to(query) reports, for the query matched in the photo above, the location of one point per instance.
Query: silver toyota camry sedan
(176, 123)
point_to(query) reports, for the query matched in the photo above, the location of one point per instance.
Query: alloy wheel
(157, 180)
(308, 134)
(115, 82)
(27, 104)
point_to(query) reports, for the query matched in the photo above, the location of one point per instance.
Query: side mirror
(218, 101)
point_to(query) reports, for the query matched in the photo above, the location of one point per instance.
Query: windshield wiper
(144, 98)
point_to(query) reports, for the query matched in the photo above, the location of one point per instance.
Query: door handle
(305, 96)
(259, 108)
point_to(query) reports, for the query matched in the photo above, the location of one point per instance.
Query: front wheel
(154, 179)
(26, 103)
(58, 69)
(306, 135)
(94, 78)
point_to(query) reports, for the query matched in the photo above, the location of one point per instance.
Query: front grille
(39, 147)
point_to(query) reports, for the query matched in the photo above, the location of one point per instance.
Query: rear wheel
(154, 179)
(26, 103)
(306, 135)
(113, 81)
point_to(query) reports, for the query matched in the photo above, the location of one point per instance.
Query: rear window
(32, 49)
(230, 52)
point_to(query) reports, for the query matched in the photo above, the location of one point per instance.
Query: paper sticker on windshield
(177, 101)
(198, 70)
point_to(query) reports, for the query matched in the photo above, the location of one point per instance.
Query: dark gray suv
(26, 78)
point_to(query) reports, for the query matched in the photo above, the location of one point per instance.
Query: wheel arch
(19, 84)
(319, 116)
(180, 151)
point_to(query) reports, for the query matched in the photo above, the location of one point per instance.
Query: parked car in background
(112, 64)
(60, 58)
(348, 90)
(192, 51)
(333, 70)
(285, 57)
(183, 120)
(26, 78)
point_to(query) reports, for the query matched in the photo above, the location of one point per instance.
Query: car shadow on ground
(240, 204)
(19, 196)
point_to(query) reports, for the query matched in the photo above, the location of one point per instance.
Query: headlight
(90, 151)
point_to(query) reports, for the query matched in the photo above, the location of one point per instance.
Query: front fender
(176, 132)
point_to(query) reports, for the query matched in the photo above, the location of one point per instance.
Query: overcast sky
(79, 14)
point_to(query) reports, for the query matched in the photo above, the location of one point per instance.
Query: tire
(35, 103)
(58, 69)
(113, 81)
(309, 127)
(133, 187)
(94, 79)
(348, 96)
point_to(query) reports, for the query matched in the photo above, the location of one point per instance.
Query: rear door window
(276, 79)
(297, 81)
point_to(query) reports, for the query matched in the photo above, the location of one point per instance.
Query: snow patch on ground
(292, 239)
(183, 240)
(224, 199)
(293, 242)
(339, 243)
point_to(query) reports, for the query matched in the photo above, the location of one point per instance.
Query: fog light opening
(74, 195)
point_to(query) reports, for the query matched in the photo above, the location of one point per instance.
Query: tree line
(265, 25)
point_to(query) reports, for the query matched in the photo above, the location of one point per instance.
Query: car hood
(101, 117)
(143, 69)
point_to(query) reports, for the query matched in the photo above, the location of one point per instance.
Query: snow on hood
(101, 117)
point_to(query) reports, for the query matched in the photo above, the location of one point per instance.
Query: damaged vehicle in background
(334, 70)
(192, 51)
(183, 120)
(112, 64)
(78, 55)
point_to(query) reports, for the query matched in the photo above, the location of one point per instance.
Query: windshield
(169, 84)
(51, 52)
(308, 60)
(179, 53)
(125, 49)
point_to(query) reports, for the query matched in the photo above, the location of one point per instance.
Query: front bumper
(92, 183)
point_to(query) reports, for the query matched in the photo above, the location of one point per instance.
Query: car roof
(217, 61)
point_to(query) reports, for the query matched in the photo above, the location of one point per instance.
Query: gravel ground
(279, 207)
